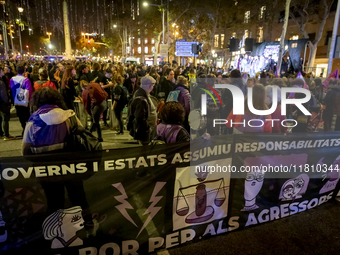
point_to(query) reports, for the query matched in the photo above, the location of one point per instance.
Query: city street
(111, 140)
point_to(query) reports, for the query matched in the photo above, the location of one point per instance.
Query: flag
(335, 75)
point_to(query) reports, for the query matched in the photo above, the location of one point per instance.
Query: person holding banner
(332, 108)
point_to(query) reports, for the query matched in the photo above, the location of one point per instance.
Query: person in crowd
(43, 81)
(120, 98)
(140, 71)
(163, 89)
(331, 111)
(83, 77)
(178, 71)
(236, 79)
(5, 107)
(250, 82)
(94, 98)
(58, 75)
(47, 132)
(153, 73)
(164, 73)
(259, 103)
(276, 115)
(131, 83)
(170, 128)
(68, 87)
(142, 112)
(184, 98)
(98, 77)
(17, 82)
(278, 82)
(35, 73)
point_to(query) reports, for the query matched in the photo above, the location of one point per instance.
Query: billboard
(184, 49)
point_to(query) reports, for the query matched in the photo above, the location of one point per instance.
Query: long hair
(67, 75)
(259, 101)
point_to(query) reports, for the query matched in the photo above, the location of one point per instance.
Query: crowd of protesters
(146, 91)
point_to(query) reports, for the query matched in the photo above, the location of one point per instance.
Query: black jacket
(138, 114)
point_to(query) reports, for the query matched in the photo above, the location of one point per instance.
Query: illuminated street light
(145, 4)
(115, 26)
(174, 24)
(50, 46)
(20, 9)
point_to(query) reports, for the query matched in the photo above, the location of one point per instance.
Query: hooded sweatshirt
(48, 128)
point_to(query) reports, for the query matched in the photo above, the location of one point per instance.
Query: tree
(311, 11)
(283, 36)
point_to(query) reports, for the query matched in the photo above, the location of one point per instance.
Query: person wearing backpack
(94, 98)
(20, 83)
(120, 98)
(43, 82)
(184, 98)
(142, 113)
(170, 129)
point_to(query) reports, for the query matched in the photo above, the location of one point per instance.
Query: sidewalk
(111, 141)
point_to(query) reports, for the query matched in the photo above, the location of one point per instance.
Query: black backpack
(81, 139)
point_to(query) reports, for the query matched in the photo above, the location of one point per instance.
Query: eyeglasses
(251, 177)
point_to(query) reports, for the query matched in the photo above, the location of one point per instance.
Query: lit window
(146, 31)
(294, 45)
(138, 31)
(246, 34)
(222, 40)
(246, 16)
(262, 10)
(138, 40)
(146, 50)
(286, 47)
(216, 41)
(294, 37)
(139, 50)
(153, 41)
(146, 41)
(260, 35)
(153, 49)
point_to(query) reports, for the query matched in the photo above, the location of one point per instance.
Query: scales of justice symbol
(203, 212)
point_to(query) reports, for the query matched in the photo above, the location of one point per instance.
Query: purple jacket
(15, 83)
(47, 129)
(184, 98)
(163, 130)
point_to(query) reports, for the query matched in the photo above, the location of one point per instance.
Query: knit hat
(147, 81)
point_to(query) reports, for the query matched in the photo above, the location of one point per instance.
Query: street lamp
(50, 46)
(49, 35)
(147, 4)
(20, 9)
(124, 38)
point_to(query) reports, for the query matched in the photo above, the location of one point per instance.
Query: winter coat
(47, 129)
(184, 98)
(179, 134)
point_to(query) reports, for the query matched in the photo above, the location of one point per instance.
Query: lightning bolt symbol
(153, 210)
(124, 204)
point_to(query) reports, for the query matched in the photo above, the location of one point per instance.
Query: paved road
(111, 141)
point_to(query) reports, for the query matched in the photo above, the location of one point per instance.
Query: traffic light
(196, 48)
